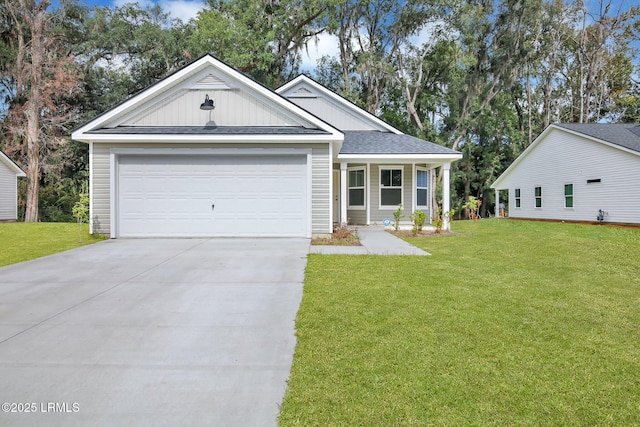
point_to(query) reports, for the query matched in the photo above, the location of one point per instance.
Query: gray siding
(373, 193)
(563, 158)
(332, 114)
(101, 215)
(8, 193)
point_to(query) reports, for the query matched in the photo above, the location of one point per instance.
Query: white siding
(320, 181)
(563, 158)
(8, 193)
(233, 108)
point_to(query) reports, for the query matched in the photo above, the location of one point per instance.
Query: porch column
(343, 193)
(498, 213)
(446, 203)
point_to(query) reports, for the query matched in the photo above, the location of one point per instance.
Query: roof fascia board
(192, 69)
(522, 155)
(11, 165)
(411, 157)
(181, 138)
(601, 141)
(343, 102)
(549, 128)
(142, 97)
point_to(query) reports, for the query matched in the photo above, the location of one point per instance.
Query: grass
(21, 241)
(507, 323)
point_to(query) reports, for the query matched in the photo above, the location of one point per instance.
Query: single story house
(9, 173)
(577, 172)
(208, 151)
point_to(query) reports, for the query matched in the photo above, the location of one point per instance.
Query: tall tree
(260, 38)
(40, 83)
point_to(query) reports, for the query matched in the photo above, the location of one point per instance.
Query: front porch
(368, 192)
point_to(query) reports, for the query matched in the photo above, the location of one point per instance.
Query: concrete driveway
(153, 332)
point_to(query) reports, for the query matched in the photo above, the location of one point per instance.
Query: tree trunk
(32, 111)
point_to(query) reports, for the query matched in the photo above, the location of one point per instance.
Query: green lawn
(509, 323)
(21, 241)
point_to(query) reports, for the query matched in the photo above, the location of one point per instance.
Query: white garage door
(212, 196)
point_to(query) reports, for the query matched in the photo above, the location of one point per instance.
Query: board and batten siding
(565, 158)
(233, 108)
(8, 193)
(320, 189)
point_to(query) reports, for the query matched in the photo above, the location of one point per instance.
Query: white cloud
(325, 44)
(180, 9)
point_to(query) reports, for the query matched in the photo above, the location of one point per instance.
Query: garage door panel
(174, 195)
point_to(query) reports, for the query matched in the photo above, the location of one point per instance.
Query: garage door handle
(213, 207)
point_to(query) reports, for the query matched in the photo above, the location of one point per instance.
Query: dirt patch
(342, 236)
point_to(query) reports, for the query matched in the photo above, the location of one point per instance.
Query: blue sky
(325, 44)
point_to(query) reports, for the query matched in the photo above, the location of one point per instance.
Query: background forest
(481, 76)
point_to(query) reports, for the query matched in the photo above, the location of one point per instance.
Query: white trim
(11, 165)
(331, 195)
(204, 138)
(564, 196)
(417, 168)
(409, 158)
(337, 99)
(368, 219)
(535, 197)
(344, 218)
(178, 79)
(115, 153)
(380, 188)
(364, 188)
(543, 135)
(91, 188)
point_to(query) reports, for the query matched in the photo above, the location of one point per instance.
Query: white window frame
(364, 188)
(380, 187)
(425, 170)
(564, 194)
(517, 196)
(536, 197)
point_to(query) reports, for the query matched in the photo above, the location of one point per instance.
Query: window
(517, 197)
(422, 178)
(538, 193)
(356, 188)
(390, 186)
(568, 195)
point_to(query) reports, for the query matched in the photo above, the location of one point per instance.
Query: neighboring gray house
(9, 173)
(572, 172)
(208, 151)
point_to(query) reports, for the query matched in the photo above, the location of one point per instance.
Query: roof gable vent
(211, 81)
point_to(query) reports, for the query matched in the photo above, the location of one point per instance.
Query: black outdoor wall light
(208, 104)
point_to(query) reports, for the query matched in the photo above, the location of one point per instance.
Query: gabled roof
(11, 165)
(622, 136)
(625, 135)
(304, 86)
(206, 73)
(374, 142)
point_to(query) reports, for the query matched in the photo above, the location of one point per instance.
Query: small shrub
(417, 219)
(397, 214)
(440, 217)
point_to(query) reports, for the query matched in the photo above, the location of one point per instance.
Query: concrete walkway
(375, 241)
(151, 332)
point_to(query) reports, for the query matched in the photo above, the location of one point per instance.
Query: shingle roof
(626, 135)
(208, 130)
(375, 142)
